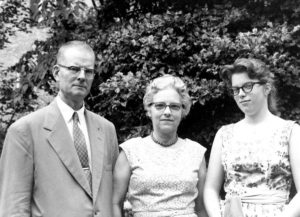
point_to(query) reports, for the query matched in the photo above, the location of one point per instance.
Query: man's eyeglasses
(247, 87)
(161, 106)
(89, 73)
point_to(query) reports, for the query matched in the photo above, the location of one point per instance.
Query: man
(53, 164)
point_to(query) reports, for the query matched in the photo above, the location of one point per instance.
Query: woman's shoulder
(194, 145)
(132, 142)
(225, 129)
(285, 124)
(290, 126)
(193, 150)
(133, 147)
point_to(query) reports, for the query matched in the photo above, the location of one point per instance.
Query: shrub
(193, 44)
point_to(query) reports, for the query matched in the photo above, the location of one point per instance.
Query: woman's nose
(167, 110)
(241, 92)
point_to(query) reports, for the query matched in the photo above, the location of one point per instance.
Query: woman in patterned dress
(162, 173)
(257, 157)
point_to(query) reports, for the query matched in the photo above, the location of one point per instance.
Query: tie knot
(75, 117)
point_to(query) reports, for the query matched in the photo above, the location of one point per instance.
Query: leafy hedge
(193, 43)
(194, 46)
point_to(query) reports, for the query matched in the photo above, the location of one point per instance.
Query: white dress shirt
(67, 113)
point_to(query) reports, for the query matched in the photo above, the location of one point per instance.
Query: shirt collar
(67, 111)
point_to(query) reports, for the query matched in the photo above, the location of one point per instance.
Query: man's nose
(81, 74)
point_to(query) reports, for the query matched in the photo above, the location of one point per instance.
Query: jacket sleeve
(16, 173)
(115, 147)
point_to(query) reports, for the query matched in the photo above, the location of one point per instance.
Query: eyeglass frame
(89, 73)
(165, 105)
(236, 90)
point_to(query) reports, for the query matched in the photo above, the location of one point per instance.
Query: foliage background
(138, 40)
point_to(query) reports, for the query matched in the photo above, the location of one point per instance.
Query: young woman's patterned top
(257, 168)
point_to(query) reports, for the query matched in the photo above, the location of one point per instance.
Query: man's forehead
(75, 51)
(77, 48)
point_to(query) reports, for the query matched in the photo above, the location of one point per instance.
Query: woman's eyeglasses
(247, 87)
(161, 106)
(89, 73)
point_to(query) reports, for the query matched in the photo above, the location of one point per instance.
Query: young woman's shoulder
(285, 123)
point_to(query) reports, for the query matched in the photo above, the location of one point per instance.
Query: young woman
(257, 157)
(164, 174)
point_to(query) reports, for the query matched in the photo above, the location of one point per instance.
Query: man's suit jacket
(40, 172)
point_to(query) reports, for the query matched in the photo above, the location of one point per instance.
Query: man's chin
(80, 92)
(79, 96)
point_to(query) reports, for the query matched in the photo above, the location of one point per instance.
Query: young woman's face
(249, 94)
(166, 111)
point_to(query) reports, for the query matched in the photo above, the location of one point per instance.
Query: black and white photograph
(149, 108)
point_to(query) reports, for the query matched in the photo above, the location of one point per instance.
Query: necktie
(80, 146)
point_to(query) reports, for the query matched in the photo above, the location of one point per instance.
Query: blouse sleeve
(130, 149)
(197, 151)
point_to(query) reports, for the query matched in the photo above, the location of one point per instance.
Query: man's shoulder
(98, 118)
(32, 117)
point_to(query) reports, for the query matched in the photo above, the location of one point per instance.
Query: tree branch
(94, 4)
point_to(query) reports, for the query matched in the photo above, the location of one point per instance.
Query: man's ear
(55, 72)
(148, 114)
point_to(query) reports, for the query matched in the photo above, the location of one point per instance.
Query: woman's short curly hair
(165, 82)
(255, 69)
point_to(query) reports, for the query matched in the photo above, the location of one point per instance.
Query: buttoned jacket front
(40, 172)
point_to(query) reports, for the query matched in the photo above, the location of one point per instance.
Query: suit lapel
(61, 141)
(97, 151)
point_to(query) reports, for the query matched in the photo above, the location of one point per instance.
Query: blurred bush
(137, 41)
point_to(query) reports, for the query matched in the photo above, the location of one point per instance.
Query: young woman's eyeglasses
(247, 87)
(89, 73)
(161, 106)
